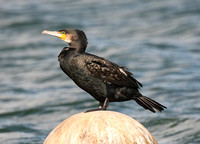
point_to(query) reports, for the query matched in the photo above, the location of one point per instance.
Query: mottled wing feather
(111, 73)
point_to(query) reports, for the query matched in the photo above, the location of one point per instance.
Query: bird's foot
(102, 106)
(92, 110)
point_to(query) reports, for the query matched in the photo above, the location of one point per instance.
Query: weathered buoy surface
(100, 127)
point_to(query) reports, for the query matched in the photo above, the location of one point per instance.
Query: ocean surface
(157, 40)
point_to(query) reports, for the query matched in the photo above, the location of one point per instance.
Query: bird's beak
(55, 33)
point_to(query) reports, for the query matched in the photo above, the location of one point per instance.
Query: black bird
(101, 78)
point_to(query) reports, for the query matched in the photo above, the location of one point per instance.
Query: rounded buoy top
(100, 127)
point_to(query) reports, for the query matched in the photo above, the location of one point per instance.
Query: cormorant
(101, 78)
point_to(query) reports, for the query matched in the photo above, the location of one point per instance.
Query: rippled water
(157, 40)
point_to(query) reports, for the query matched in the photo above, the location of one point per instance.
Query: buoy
(100, 127)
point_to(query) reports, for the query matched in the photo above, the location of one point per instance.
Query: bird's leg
(105, 104)
(102, 106)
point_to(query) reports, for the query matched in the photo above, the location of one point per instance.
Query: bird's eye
(63, 32)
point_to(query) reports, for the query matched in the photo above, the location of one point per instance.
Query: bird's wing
(111, 73)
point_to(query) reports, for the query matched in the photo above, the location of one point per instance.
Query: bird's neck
(79, 46)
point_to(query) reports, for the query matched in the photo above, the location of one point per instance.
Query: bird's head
(74, 37)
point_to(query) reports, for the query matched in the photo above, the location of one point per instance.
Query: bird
(104, 80)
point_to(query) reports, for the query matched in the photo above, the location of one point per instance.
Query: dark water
(159, 41)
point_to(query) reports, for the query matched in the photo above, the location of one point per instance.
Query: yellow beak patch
(63, 36)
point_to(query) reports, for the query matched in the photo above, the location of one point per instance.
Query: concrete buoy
(100, 127)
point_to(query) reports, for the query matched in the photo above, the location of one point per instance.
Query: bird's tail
(149, 104)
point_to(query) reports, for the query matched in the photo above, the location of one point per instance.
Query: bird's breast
(75, 67)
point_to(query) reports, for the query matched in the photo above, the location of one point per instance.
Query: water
(157, 40)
